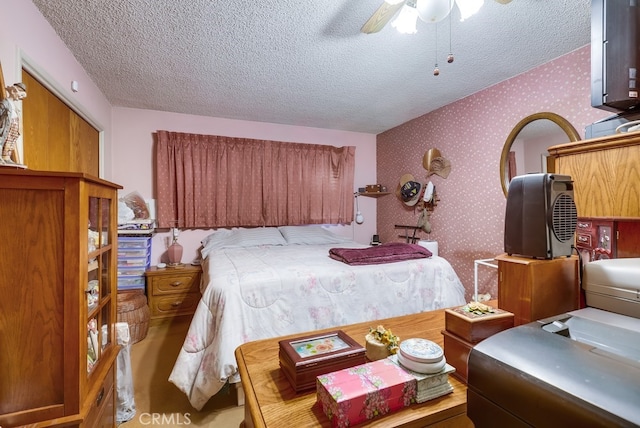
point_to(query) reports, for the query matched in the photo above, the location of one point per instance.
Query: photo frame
(304, 358)
(321, 347)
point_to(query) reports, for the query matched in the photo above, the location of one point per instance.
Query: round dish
(425, 368)
(421, 350)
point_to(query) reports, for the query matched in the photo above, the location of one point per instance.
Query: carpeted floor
(158, 402)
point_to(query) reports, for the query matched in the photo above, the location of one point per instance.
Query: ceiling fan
(430, 11)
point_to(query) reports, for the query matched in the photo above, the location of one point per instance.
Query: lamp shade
(432, 11)
(468, 7)
(406, 21)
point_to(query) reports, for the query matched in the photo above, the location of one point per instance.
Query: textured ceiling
(305, 63)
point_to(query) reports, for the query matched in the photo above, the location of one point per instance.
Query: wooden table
(270, 401)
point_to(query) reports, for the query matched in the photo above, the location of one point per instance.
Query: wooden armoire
(58, 307)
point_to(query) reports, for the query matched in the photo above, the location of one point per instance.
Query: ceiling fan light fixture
(406, 21)
(468, 8)
(431, 11)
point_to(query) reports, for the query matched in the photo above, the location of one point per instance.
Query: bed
(269, 282)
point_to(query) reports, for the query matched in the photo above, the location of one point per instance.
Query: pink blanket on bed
(384, 253)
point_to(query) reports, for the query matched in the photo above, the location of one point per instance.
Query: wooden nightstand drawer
(178, 304)
(175, 283)
(173, 291)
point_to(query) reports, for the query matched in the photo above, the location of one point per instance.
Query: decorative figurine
(10, 122)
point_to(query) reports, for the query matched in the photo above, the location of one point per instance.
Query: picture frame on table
(303, 359)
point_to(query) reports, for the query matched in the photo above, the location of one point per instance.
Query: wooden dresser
(606, 174)
(173, 291)
(58, 306)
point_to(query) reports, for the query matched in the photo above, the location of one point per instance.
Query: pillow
(237, 238)
(310, 235)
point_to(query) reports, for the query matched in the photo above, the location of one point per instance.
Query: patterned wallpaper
(468, 222)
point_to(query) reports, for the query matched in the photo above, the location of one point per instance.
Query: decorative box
(373, 188)
(303, 359)
(421, 355)
(429, 386)
(357, 394)
(456, 351)
(474, 328)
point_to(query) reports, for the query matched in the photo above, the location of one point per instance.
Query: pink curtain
(205, 181)
(511, 160)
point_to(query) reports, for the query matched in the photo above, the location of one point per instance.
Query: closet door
(55, 137)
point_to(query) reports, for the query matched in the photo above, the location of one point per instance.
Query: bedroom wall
(134, 163)
(468, 222)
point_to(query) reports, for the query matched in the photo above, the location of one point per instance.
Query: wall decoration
(11, 122)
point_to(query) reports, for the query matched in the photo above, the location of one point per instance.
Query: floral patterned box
(356, 394)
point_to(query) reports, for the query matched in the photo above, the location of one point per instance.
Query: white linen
(270, 291)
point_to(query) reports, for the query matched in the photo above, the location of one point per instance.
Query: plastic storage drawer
(134, 261)
(125, 242)
(131, 282)
(131, 271)
(132, 252)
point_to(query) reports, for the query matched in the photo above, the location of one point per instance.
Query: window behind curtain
(208, 181)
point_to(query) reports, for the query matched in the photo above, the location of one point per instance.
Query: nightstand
(173, 291)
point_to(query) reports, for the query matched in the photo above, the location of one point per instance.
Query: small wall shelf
(373, 194)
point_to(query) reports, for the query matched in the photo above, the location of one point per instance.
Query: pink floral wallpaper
(468, 222)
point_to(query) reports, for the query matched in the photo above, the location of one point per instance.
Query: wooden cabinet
(605, 172)
(55, 137)
(173, 291)
(58, 306)
(532, 289)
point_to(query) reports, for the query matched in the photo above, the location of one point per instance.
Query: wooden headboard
(606, 174)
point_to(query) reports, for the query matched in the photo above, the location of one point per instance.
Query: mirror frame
(563, 123)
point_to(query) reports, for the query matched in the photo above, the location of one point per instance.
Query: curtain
(206, 181)
(511, 161)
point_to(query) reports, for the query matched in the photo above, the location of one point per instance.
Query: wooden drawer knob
(176, 304)
(176, 283)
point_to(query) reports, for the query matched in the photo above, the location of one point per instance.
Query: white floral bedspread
(270, 291)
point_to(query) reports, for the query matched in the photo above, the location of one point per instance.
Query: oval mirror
(525, 150)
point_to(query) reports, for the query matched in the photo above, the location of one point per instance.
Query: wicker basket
(133, 309)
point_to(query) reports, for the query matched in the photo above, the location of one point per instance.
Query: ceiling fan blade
(380, 17)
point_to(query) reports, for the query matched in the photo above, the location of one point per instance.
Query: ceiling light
(468, 7)
(431, 11)
(406, 21)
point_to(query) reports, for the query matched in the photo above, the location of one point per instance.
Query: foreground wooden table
(270, 401)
